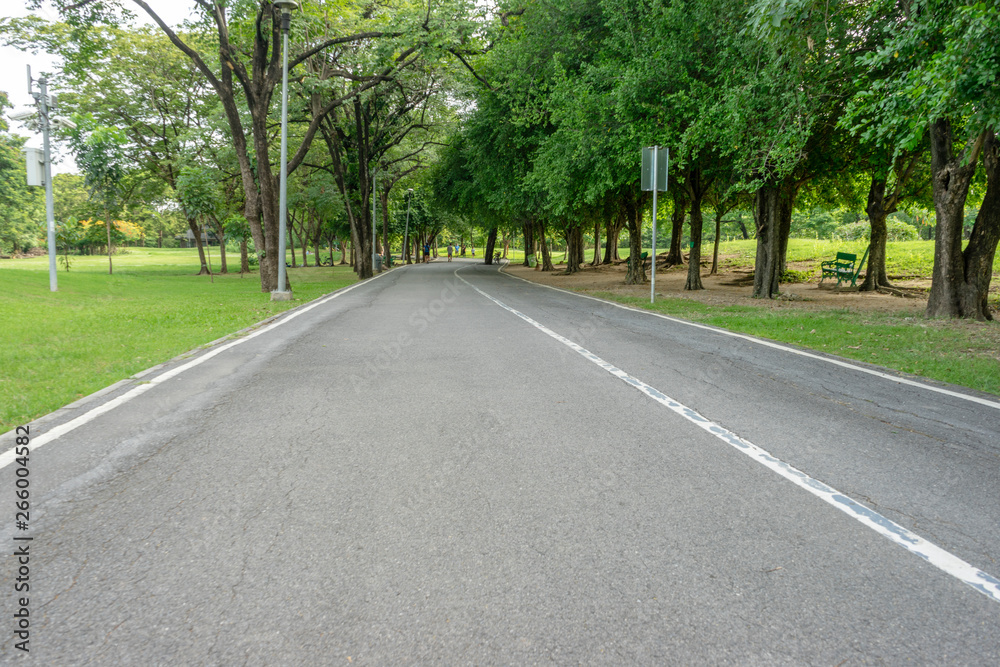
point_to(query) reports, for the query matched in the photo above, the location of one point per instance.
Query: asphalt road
(411, 472)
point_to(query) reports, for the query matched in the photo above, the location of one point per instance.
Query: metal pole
(50, 216)
(283, 188)
(374, 233)
(652, 282)
(406, 234)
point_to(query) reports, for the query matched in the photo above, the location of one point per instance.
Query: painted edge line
(7, 457)
(771, 344)
(915, 544)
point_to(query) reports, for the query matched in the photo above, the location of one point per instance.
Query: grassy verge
(98, 329)
(957, 352)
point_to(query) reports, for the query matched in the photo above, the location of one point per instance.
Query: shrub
(897, 230)
(793, 276)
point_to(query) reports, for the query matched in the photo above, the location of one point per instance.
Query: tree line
(193, 108)
(531, 115)
(764, 105)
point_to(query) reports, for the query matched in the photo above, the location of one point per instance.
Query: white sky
(14, 75)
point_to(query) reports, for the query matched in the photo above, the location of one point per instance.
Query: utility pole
(45, 107)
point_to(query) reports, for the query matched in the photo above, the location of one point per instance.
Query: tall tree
(943, 56)
(244, 72)
(100, 155)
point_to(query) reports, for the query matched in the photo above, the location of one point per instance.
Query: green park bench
(845, 268)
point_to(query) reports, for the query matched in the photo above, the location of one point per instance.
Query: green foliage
(197, 192)
(70, 235)
(22, 208)
(794, 276)
(939, 61)
(896, 230)
(236, 227)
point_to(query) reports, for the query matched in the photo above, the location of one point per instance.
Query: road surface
(449, 465)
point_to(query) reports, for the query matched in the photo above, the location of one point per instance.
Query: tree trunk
(220, 234)
(784, 231)
(223, 267)
(529, 241)
(715, 248)
(244, 257)
(343, 252)
(317, 238)
(636, 273)
(951, 295)
(694, 260)
(766, 216)
(743, 228)
(291, 244)
(676, 254)
(980, 252)
(613, 231)
(597, 243)
(201, 248)
(386, 250)
(546, 262)
(107, 225)
(574, 249)
(491, 242)
(875, 275)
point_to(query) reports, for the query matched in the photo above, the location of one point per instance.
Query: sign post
(655, 164)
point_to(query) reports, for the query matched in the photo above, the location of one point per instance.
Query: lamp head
(286, 7)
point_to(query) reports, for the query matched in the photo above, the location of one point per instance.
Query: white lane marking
(57, 432)
(930, 552)
(772, 344)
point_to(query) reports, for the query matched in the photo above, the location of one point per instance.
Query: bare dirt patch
(733, 286)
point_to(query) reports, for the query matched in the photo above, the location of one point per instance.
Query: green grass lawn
(98, 329)
(904, 259)
(958, 352)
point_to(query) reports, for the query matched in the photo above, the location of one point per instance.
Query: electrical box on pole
(36, 166)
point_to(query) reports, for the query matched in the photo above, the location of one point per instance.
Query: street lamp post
(406, 234)
(286, 7)
(374, 233)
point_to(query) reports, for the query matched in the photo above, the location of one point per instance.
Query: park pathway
(449, 465)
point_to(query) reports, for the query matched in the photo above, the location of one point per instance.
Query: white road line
(57, 432)
(930, 552)
(777, 346)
